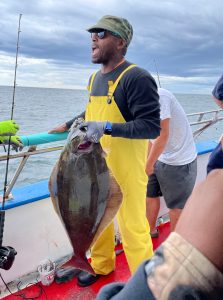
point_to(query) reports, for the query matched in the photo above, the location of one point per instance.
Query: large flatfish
(84, 193)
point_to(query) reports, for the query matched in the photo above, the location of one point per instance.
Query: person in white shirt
(171, 163)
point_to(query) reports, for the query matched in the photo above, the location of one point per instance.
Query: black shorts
(174, 183)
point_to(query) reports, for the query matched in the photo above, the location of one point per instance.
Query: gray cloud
(184, 37)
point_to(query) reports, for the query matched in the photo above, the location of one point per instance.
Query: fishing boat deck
(32, 203)
(70, 290)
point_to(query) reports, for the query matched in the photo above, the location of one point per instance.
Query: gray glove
(94, 130)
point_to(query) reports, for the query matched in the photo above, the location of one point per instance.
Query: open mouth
(84, 145)
(94, 50)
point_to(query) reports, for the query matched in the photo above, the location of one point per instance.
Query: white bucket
(47, 271)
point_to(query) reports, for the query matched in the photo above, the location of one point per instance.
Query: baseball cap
(114, 24)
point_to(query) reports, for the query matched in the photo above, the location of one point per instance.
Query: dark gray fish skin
(80, 190)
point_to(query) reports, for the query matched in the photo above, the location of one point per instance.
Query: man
(189, 264)
(123, 113)
(216, 157)
(171, 164)
(8, 129)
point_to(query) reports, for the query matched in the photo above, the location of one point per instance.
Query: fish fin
(114, 202)
(83, 264)
(52, 185)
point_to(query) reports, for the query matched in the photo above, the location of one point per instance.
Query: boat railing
(203, 120)
(31, 141)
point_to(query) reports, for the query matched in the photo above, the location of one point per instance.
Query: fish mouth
(77, 140)
(84, 146)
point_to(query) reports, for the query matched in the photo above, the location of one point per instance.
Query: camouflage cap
(117, 25)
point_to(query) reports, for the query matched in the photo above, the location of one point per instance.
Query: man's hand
(94, 130)
(15, 142)
(9, 127)
(60, 128)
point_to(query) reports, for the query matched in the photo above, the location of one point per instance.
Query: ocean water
(41, 109)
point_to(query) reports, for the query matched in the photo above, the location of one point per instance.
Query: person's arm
(135, 288)
(70, 122)
(207, 237)
(157, 146)
(66, 126)
(143, 103)
(60, 128)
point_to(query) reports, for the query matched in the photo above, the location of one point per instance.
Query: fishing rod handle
(2, 220)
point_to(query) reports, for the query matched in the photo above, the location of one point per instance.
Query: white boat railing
(204, 120)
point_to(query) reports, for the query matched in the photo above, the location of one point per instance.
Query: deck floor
(70, 290)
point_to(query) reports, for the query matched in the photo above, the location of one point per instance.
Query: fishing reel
(7, 256)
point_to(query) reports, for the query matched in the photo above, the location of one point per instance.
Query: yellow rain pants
(126, 158)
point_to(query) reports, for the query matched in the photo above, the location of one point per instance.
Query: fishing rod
(157, 73)
(7, 254)
(12, 112)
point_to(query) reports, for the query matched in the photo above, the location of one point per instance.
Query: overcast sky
(183, 38)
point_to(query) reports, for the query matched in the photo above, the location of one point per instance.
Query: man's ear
(121, 44)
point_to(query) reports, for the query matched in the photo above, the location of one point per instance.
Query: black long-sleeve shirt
(137, 99)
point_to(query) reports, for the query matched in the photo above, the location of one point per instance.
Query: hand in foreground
(94, 130)
(15, 142)
(59, 128)
(9, 127)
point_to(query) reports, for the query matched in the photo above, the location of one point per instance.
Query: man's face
(104, 47)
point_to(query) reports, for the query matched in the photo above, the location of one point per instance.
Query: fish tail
(83, 264)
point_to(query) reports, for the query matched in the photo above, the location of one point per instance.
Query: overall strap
(112, 86)
(89, 87)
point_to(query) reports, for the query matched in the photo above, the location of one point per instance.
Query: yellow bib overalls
(126, 158)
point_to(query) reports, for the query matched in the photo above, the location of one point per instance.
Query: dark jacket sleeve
(70, 122)
(135, 288)
(143, 104)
